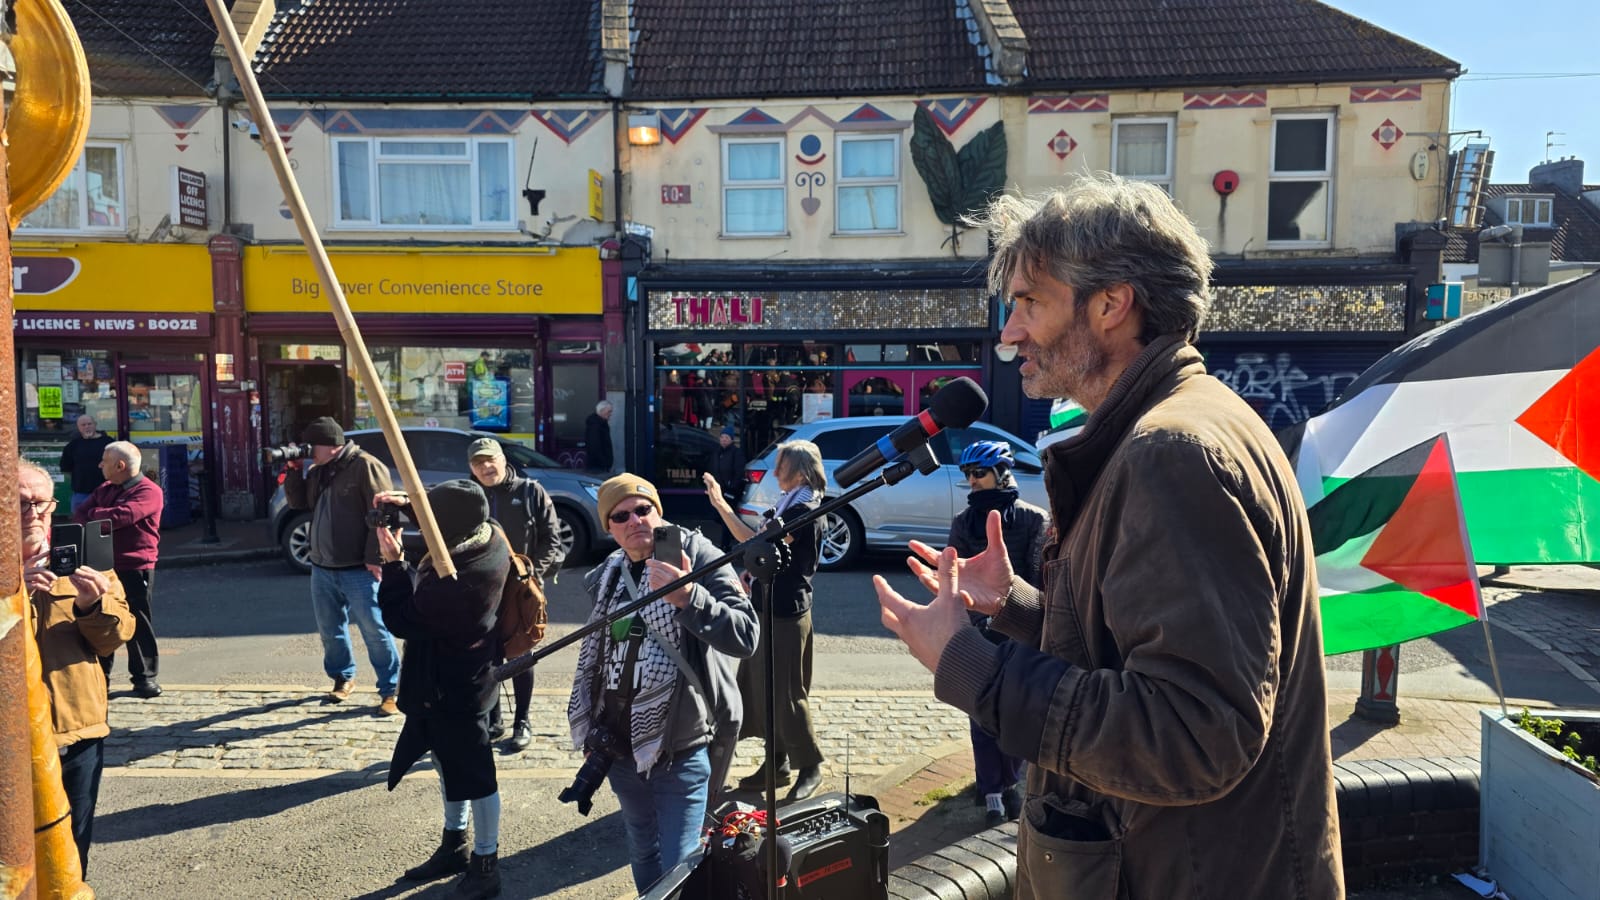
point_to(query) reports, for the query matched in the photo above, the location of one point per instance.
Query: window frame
(840, 182)
(1167, 180)
(781, 183)
(80, 173)
(1537, 204)
(1326, 175)
(473, 161)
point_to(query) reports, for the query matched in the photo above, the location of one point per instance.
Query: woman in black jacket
(446, 685)
(987, 467)
(798, 469)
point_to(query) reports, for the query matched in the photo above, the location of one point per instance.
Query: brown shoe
(388, 707)
(341, 690)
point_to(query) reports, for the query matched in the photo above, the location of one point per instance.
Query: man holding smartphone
(132, 504)
(658, 688)
(77, 618)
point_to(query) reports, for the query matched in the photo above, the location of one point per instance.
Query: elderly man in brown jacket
(76, 619)
(1167, 683)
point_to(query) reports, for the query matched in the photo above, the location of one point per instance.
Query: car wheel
(296, 542)
(572, 536)
(842, 540)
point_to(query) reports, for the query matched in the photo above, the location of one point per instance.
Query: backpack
(522, 616)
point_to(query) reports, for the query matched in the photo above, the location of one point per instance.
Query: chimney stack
(1564, 175)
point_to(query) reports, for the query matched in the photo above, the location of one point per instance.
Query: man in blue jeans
(338, 488)
(657, 692)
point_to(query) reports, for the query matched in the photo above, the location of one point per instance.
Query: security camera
(245, 125)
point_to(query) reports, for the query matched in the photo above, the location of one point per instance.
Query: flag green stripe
(1382, 616)
(1528, 516)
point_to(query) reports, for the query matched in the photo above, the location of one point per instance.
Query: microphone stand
(764, 556)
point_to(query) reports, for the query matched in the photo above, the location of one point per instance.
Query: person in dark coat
(446, 681)
(80, 458)
(597, 437)
(727, 471)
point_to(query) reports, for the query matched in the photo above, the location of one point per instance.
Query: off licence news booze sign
(136, 324)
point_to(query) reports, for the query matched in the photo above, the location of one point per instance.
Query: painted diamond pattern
(951, 113)
(676, 122)
(1062, 145)
(1388, 134)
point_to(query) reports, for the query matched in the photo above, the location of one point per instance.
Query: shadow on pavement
(197, 732)
(572, 858)
(159, 819)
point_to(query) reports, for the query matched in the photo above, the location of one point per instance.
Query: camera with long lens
(384, 515)
(604, 748)
(285, 453)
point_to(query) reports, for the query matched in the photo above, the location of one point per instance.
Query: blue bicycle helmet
(987, 454)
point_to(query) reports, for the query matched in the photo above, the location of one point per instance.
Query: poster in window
(49, 368)
(50, 401)
(86, 368)
(102, 370)
(71, 392)
(160, 397)
(816, 406)
(491, 403)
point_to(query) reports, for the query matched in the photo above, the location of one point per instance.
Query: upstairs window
(1141, 150)
(869, 183)
(752, 186)
(422, 183)
(1300, 186)
(1534, 212)
(92, 199)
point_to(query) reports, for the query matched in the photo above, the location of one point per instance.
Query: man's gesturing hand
(985, 578)
(926, 629)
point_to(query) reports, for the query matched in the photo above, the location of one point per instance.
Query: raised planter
(1539, 820)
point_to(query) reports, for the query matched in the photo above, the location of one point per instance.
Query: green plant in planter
(1553, 732)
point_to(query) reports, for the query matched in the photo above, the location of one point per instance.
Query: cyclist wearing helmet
(987, 467)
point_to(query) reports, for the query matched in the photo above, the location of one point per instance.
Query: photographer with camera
(446, 684)
(656, 693)
(338, 487)
(77, 615)
(132, 504)
(524, 510)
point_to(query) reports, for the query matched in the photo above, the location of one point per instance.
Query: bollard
(1380, 685)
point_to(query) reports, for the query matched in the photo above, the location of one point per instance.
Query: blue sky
(1499, 44)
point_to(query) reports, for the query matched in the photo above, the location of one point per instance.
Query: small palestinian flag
(1516, 386)
(1393, 559)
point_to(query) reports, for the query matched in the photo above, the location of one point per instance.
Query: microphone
(956, 405)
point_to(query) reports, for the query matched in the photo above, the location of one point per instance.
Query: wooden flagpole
(365, 371)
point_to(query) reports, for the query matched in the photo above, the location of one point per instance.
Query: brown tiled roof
(1575, 237)
(423, 49)
(696, 49)
(1109, 43)
(158, 48)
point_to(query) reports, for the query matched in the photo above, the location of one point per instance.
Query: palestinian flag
(1393, 559)
(1516, 387)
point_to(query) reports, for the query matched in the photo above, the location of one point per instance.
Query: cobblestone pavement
(290, 728)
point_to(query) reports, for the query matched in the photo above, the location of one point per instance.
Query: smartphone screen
(64, 559)
(669, 545)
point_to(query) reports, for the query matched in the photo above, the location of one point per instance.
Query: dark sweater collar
(1072, 465)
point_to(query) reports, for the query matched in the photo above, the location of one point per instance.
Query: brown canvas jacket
(339, 495)
(70, 646)
(1167, 683)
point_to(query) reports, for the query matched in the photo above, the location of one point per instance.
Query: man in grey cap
(338, 488)
(523, 509)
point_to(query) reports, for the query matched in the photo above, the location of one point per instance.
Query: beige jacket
(70, 646)
(1167, 683)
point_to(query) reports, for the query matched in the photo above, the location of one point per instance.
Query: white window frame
(781, 183)
(1540, 205)
(1325, 175)
(1164, 180)
(841, 182)
(79, 177)
(472, 160)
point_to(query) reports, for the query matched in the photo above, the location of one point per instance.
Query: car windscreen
(523, 458)
(843, 443)
(779, 435)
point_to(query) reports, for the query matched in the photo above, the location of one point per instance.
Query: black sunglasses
(977, 472)
(622, 517)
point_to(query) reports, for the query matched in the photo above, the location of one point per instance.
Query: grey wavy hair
(1101, 231)
(804, 459)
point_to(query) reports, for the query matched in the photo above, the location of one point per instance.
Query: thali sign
(189, 197)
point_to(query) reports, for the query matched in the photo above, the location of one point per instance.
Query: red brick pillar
(235, 454)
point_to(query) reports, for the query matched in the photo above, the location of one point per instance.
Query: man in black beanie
(338, 487)
(447, 688)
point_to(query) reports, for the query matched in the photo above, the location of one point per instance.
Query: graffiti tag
(1282, 392)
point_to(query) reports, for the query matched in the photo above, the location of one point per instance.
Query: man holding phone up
(657, 691)
(132, 504)
(78, 615)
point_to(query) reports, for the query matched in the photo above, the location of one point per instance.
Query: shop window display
(469, 388)
(57, 386)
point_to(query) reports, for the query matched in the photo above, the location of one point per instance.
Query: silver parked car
(440, 454)
(919, 507)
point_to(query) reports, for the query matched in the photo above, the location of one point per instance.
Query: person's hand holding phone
(388, 547)
(91, 585)
(37, 573)
(668, 563)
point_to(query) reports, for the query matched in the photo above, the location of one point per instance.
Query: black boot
(448, 858)
(482, 880)
(757, 780)
(806, 784)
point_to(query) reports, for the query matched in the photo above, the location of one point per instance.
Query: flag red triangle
(1421, 547)
(1568, 415)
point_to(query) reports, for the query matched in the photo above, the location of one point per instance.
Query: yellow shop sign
(128, 278)
(433, 279)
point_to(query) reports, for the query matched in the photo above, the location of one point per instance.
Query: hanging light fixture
(644, 129)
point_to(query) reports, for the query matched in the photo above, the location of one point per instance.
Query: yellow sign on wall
(111, 276)
(597, 196)
(549, 281)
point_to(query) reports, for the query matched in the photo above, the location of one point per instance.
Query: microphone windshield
(958, 404)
